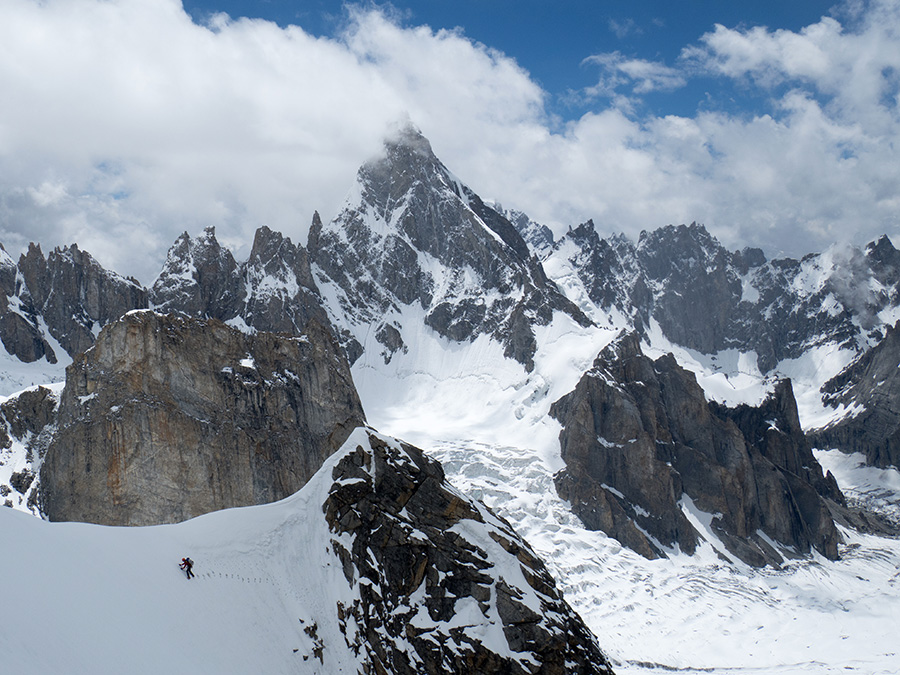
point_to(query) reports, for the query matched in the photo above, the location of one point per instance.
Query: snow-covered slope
(291, 587)
(698, 614)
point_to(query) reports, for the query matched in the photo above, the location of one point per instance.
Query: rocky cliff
(650, 462)
(868, 390)
(75, 296)
(443, 585)
(168, 417)
(27, 423)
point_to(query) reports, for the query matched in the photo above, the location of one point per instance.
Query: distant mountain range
(234, 378)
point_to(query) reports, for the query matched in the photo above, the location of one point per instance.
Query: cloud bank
(125, 123)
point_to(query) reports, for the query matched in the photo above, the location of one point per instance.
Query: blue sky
(554, 41)
(127, 122)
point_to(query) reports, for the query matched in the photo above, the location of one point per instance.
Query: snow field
(485, 420)
(82, 598)
(696, 613)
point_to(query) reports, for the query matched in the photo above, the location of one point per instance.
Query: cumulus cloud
(124, 123)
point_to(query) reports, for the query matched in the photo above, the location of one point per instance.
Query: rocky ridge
(868, 390)
(648, 458)
(412, 235)
(707, 298)
(27, 424)
(444, 586)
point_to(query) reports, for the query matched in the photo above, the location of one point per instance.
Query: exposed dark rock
(169, 417)
(21, 337)
(709, 299)
(30, 411)
(29, 419)
(412, 235)
(870, 388)
(390, 337)
(281, 294)
(199, 278)
(19, 329)
(75, 295)
(774, 429)
(21, 480)
(643, 447)
(421, 554)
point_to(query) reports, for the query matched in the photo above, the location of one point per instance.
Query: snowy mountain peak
(411, 235)
(709, 299)
(406, 137)
(199, 278)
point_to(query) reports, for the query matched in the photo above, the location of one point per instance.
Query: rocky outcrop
(444, 586)
(648, 460)
(199, 278)
(869, 392)
(169, 417)
(411, 235)
(27, 422)
(538, 237)
(19, 328)
(281, 295)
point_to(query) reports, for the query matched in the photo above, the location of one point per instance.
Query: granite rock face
(869, 388)
(423, 556)
(169, 417)
(645, 452)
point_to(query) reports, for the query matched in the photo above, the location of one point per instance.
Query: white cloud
(642, 76)
(624, 28)
(124, 123)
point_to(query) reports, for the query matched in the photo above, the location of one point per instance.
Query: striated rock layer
(169, 417)
(647, 458)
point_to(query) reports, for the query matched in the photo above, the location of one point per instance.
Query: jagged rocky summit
(650, 462)
(67, 296)
(442, 585)
(707, 298)
(412, 236)
(68, 292)
(168, 417)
